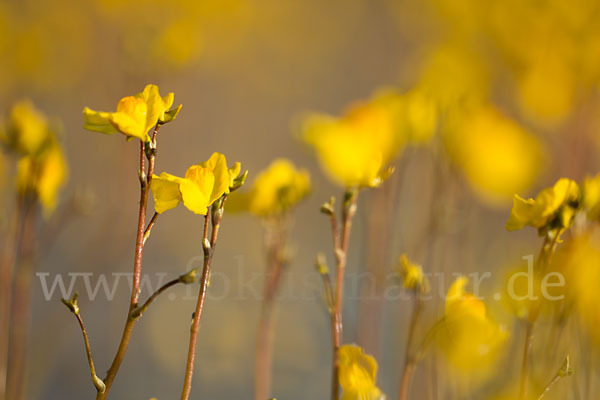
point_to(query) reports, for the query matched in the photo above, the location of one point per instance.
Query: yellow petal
(165, 191)
(357, 371)
(157, 106)
(459, 302)
(278, 188)
(97, 121)
(234, 172)
(521, 213)
(195, 197)
(217, 166)
(412, 275)
(27, 130)
(53, 173)
(130, 117)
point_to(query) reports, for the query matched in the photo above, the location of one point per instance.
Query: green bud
(321, 264)
(328, 207)
(170, 115)
(72, 303)
(239, 181)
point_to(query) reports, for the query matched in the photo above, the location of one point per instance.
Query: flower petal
(97, 121)
(165, 191)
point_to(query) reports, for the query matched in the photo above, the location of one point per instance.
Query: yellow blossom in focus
(590, 197)
(497, 156)
(202, 185)
(468, 338)
(26, 130)
(553, 208)
(135, 115)
(412, 276)
(356, 149)
(357, 374)
(278, 188)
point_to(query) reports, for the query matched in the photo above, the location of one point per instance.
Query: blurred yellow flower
(468, 338)
(202, 185)
(357, 374)
(547, 89)
(412, 275)
(355, 150)
(43, 175)
(590, 197)
(26, 130)
(454, 76)
(553, 208)
(42, 168)
(497, 156)
(414, 113)
(582, 275)
(278, 188)
(135, 115)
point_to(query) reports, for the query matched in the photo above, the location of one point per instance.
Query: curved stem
(98, 383)
(208, 247)
(139, 311)
(148, 229)
(145, 179)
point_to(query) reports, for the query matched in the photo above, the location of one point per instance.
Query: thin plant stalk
(21, 301)
(145, 180)
(6, 271)
(74, 308)
(275, 239)
(410, 360)
(546, 252)
(341, 240)
(208, 247)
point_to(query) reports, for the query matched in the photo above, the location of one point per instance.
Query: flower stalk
(20, 310)
(276, 261)
(410, 360)
(340, 243)
(147, 152)
(208, 247)
(551, 239)
(74, 308)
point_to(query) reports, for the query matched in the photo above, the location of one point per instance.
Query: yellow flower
(496, 155)
(590, 197)
(553, 208)
(43, 175)
(412, 275)
(202, 185)
(414, 113)
(277, 188)
(357, 374)
(355, 150)
(26, 131)
(135, 115)
(468, 338)
(582, 276)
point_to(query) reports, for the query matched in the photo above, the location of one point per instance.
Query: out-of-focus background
(245, 72)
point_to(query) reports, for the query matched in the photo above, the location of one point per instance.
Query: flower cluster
(41, 168)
